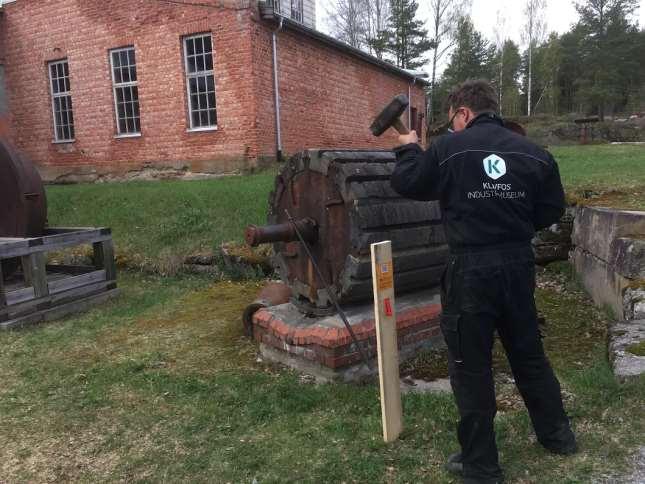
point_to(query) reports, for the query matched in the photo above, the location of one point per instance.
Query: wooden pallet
(42, 292)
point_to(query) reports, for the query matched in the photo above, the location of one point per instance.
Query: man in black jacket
(496, 189)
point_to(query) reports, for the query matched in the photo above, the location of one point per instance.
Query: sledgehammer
(389, 117)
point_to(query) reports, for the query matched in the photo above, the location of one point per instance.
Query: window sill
(128, 135)
(199, 130)
(63, 141)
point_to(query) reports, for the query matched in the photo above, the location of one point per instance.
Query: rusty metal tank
(342, 202)
(23, 206)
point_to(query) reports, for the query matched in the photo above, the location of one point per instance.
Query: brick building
(99, 87)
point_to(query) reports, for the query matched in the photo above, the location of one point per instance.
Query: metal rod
(331, 295)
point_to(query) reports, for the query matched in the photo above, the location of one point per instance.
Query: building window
(126, 91)
(296, 10)
(200, 82)
(61, 101)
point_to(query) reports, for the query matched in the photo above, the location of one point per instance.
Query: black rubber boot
(454, 465)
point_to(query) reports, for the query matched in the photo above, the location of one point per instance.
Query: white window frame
(115, 86)
(197, 74)
(67, 94)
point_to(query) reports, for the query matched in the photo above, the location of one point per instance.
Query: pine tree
(406, 41)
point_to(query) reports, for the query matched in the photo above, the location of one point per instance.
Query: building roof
(289, 24)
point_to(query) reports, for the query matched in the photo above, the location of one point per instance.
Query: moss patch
(637, 349)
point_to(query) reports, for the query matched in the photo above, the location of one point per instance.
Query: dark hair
(476, 94)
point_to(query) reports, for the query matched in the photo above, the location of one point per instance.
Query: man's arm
(550, 203)
(416, 174)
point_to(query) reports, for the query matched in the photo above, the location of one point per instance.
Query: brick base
(324, 347)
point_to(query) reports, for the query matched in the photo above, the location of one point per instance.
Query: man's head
(469, 99)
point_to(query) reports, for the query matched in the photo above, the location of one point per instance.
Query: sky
(560, 15)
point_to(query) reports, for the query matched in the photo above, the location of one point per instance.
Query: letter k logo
(494, 166)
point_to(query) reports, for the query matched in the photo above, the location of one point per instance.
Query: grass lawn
(160, 385)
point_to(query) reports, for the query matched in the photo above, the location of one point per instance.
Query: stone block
(596, 229)
(623, 337)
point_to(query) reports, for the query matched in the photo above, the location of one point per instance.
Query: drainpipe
(414, 80)
(276, 88)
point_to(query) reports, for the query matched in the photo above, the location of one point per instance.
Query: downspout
(414, 80)
(276, 88)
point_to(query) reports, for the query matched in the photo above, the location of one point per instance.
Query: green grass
(609, 175)
(157, 224)
(160, 385)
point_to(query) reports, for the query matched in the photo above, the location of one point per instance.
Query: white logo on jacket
(494, 166)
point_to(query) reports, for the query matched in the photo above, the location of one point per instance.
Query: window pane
(210, 83)
(127, 94)
(192, 85)
(129, 112)
(124, 57)
(131, 57)
(211, 100)
(136, 109)
(71, 132)
(52, 70)
(200, 63)
(137, 125)
(190, 47)
(204, 118)
(63, 118)
(195, 118)
(116, 60)
(59, 70)
(201, 84)
(207, 44)
(65, 69)
(56, 104)
(130, 124)
(135, 93)
(199, 45)
(202, 101)
(125, 74)
(67, 88)
(59, 133)
(194, 102)
(122, 126)
(69, 102)
(191, 64)
(212, 117)
(209, 62)
(133, 74)
(117, 76)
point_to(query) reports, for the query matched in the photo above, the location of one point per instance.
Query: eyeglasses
(451, 128)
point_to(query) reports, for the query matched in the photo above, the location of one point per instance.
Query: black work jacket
(495, 187)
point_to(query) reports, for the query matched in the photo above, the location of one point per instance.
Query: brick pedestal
(323, 347)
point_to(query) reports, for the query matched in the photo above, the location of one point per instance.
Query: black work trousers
(483, 291)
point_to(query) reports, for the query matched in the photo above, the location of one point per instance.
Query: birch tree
(534, 29)
(347, 21)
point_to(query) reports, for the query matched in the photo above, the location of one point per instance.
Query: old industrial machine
(341, 202)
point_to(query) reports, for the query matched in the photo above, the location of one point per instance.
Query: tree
(533, 32)
(610, 49)
(472, 58)
(507, 83)
(347, 21)
(407, 40)
(444, 17)
(377, 13)
(500, 44)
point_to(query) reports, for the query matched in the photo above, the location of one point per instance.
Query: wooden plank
(72, 282)
(62, 240)
(20, 295)
(387, 348)
(104, 258)
(70, 270)
(50, 314)
(33, 266)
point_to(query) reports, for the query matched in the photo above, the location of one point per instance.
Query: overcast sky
(560, 15)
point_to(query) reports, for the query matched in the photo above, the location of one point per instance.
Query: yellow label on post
(385, 276)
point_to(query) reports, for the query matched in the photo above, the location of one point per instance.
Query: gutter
(276, 89)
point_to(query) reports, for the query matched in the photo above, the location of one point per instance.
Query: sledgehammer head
(389, 117)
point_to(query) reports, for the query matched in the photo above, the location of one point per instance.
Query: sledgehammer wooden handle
(400, 127)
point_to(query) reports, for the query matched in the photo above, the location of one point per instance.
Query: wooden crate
(42, 292)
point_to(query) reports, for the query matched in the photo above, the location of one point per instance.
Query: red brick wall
(83, 32)
(328, 97)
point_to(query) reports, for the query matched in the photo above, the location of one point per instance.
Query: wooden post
(388, 353)
(34, 268)
(104, 258)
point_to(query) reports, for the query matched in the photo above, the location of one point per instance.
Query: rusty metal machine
(23, 206)
(342, 202)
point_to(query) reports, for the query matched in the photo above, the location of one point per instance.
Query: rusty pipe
(285, 232)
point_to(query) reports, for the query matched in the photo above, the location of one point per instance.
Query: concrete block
(596, 229)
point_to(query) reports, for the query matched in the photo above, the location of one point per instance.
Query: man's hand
(405, 139)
